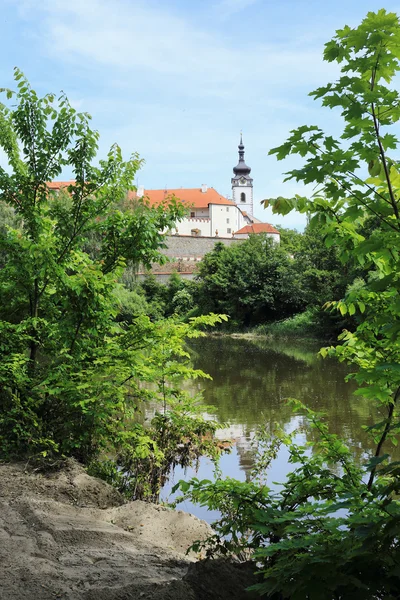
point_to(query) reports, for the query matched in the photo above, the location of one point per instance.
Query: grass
(302, 325)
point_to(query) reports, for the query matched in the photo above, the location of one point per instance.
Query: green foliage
(130, 303)
(258, 282)
(290, 239)
(156, 296)
(323, 276)
(68, 375)
(182, 302)
(252, 282)
(323, 535)
(331, 531)
(301, 325)
(165, 300)
(360, 217)
(178, 433)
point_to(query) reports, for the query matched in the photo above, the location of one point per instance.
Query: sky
(177, 80)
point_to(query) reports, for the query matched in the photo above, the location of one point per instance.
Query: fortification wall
(185, 253)
(182, 246)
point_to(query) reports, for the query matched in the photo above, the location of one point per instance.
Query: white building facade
(209, 213)
(212, 215)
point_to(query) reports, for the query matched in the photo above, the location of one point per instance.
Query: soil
(66, 535)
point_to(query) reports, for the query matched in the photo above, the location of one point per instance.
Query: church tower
(242, 183)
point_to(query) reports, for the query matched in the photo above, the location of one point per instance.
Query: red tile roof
(258, 228)
(58, 185)
(194, 197)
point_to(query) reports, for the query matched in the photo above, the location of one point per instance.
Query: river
(251, 382)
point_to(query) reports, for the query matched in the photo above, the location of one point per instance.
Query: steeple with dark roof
(241, 168)
(242, 183)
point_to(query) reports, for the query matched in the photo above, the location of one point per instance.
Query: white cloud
(179, 90)
(139, 41)
(226, 8)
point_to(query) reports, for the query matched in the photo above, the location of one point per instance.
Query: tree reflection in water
(252, 380)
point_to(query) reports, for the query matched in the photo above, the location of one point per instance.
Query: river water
(251, 382)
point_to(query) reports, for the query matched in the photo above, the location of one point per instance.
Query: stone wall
(185, 253)
(182, 246)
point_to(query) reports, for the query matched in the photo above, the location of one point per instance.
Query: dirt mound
(71, 485)
(69, 536)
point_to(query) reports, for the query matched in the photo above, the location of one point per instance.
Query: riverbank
(308, 326)
(66, 535)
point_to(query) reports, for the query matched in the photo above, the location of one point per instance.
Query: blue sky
(177, 80)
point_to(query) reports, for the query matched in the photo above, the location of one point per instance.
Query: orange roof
(195, 197)
(258, 228)
(58, 185)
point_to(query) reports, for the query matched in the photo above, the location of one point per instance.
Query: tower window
(242, 197)
(229, 230)
(227, 221)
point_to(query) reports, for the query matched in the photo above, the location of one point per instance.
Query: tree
(252, 282)
(66, 368)
(332, 532)
(178, 433)
(359, 216)
(290, 239)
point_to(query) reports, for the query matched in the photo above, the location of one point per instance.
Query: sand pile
(67, 535)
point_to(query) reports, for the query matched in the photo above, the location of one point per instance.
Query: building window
(192, 214)
(242, 197)
(227, 221)
(229, 230)
(227, 209)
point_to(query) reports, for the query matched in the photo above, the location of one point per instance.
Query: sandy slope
(70, 536)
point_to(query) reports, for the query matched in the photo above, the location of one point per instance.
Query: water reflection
(252, 380)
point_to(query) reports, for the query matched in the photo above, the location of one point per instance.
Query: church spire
(241, 168)
(242, 183)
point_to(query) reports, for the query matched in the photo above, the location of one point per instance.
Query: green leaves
(359, 218)
(70, 375)
(323, 535)
(332, 530)
(374, 168)
(252, 282)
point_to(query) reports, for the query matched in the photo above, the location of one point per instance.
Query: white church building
(212, 215)
(210, 218)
